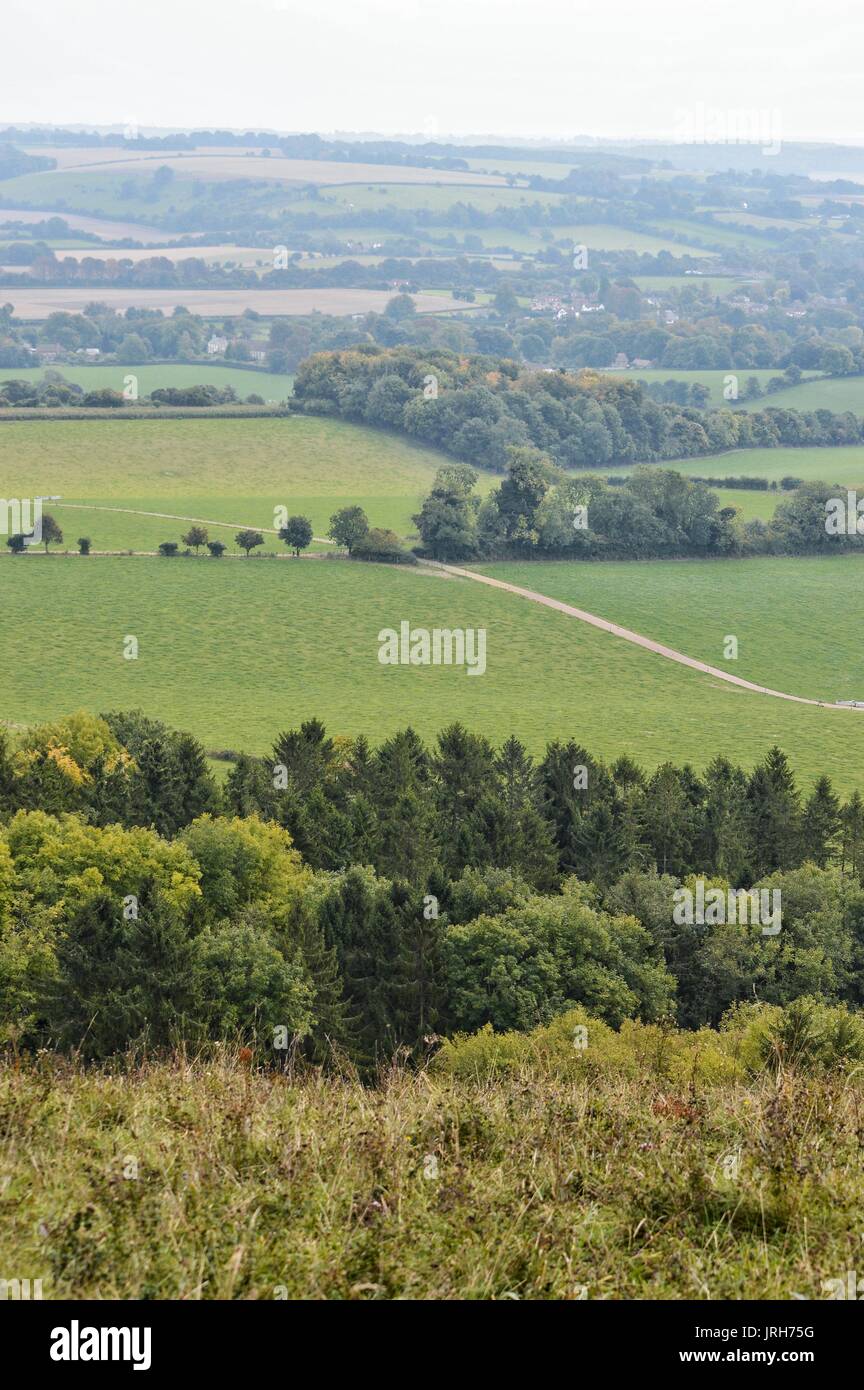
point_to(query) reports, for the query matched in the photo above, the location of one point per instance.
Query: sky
(554, 68)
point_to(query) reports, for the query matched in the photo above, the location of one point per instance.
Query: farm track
(616, 630)
(635, 637)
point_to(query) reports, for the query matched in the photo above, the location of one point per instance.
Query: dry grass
(210, 1179)
(37, 303)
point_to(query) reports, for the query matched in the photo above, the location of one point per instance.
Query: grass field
(607, 237)
(231, 470)
(844, 465)
(380, 195)
(235, 650)
(124, 188)
(547, 1183)
(38, 303)
(714, 380)
(270, 385)
(714, 284)
(703, 234)
(780, 609)
(837, 393)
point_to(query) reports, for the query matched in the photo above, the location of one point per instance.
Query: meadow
(836, 393)
(787, 613)
(713, 379)
(235, 650)
(556, 1176)
(151, 376)
(235, 471)
(842, 465)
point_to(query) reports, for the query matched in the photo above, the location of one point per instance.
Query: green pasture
(236, 650)
(836, 393)
(790, 615)
(220, 470)
(152, 376)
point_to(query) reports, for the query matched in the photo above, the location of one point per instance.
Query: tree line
(477, 409)
(540, 512)
(368, 899)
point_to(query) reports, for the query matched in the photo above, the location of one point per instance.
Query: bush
(383, 546)
(168, 548)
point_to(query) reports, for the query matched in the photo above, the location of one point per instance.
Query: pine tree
(464, 770)
(85, 1007)
(198, 791)
(156, 964)
(774, 814)
(721, 843)
(852, 836)
(820, 824)
(668, 820)
(405, 833)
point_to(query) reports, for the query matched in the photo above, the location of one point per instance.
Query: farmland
(250, 635)
(840, 465)
(714, 380)
(826, 393)
(32, 303)
(778, 608)
(234, 470)
(245, 381)
(99, 226)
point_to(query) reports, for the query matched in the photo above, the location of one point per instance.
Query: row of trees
(336, 894)
(349, 527)
(539, 511)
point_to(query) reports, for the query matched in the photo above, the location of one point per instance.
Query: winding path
(635, 637)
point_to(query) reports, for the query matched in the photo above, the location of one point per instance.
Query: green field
(234, 471)
(271, 386)
(713, 379)
(714, 284)
(438, 198)
(780, 609)
(235, 650)
(836, 393)
(844, 465)
(703, 234)
(607, 237)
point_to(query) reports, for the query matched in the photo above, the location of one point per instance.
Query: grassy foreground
(541, 1180)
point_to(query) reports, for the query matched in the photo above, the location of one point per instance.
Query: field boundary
(172, 516)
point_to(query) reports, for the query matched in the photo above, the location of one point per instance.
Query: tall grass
(211, 1177)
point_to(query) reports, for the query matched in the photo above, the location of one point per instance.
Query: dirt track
(635, 637)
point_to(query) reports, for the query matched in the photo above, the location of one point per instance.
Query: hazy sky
(553, 67)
